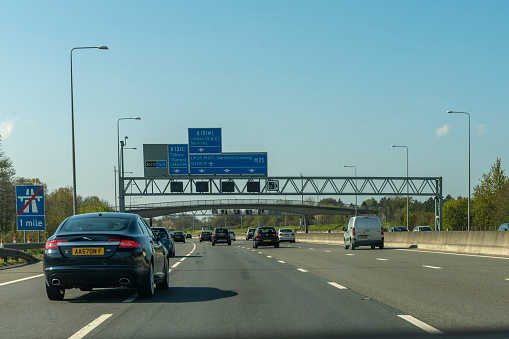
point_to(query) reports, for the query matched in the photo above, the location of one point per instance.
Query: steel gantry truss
(310, 186)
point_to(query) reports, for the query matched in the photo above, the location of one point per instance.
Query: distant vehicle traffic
(232, 235)
(104, 250)
(166, 239)
(205, 236)
(220, 235)
(422, 229)
(366, 230)
(286, 234)
(398, 229)
(250, 233)
(179, 236)
(265, 236)
(189, 236)
(504, 227)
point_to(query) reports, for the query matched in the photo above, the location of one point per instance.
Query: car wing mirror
(344, 229)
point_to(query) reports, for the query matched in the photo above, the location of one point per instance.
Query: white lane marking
(281, 261)
(176, 264)
(18, 280)
(337, 285)
(301, 269)
(260, 252)
(507, 279)
(87, 329)
(184, 258)
(382, 259)
(269, 256)
(350, 254)
(433, 267)
(460, 254)
(420, 324)
(131, 298)
(327, 251)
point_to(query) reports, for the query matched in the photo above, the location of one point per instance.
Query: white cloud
(6, 128)
(481, 129)
(443, 131)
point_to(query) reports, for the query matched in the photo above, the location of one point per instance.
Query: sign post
(30, 208)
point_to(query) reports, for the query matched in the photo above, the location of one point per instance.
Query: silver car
(286, 234)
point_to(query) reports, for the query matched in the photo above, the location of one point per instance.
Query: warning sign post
(30, 208)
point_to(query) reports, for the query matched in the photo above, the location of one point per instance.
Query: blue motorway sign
(204, 140)
(30, 208)
(178, 157)
(229, 163)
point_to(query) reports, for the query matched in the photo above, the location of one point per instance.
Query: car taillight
(258, 235)
(274, 235)
(353, 231)
(124, 243)
(53, 244)
(168, 238)
(382, 230)
(213, 234)
(292, 234)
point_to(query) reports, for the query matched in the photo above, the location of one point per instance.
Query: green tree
(487, 194)
(7, 193)
(94, 204)
(455, 214)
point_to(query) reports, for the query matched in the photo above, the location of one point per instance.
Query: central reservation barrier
(485, 243)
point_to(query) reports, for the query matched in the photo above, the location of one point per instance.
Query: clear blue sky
(315, 84)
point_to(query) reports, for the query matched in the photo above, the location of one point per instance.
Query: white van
(365, 230)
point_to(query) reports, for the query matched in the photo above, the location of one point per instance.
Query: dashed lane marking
(420, 324)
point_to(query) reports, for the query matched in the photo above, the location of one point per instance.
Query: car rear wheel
(372, 247)
(165, 284)
(381, 246)
(55, 292)
(229, 243)
(213, 244)
(276, 245)
(352, 245)
(146, 290)
(255, 245)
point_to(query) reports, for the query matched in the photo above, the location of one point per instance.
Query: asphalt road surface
(301, 289)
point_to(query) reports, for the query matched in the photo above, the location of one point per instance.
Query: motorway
(299, 289)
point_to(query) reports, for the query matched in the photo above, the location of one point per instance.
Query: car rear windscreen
(96, 224)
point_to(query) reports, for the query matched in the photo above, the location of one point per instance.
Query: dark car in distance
(265, 236)
(205, 236)
(221, 234)
(104, 250)
(179, 236)
(398, 229)
(165, 239)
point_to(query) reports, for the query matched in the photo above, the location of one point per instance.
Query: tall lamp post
(468, 223)
(406, 182)
(74, 205)
(118, 156)
(355, 168)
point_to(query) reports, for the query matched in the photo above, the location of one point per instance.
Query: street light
(118, 154)
(406, 182)
(72, 132)
(468, 224)
(355, 168)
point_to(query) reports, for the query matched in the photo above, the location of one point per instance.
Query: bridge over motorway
(289, 206)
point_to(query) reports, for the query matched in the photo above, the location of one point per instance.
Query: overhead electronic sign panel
(178, 158)
(155, 160)
(204, 140)
(229, 164)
